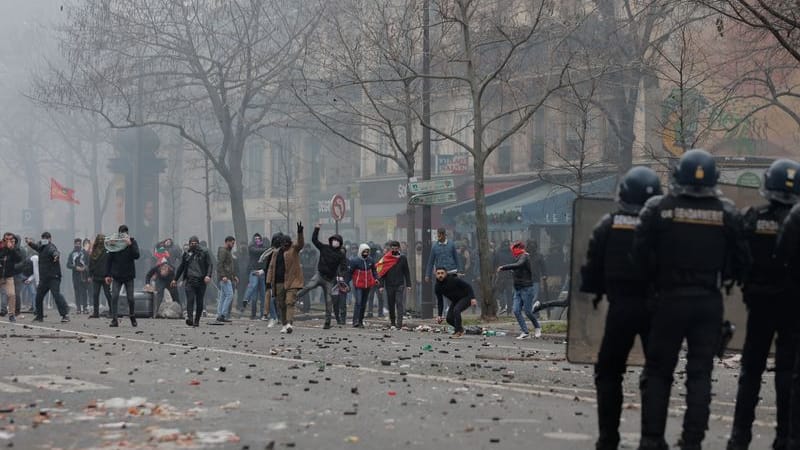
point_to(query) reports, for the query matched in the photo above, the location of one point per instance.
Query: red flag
(59, 192)
(386, 262)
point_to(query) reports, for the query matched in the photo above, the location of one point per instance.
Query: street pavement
(164, 385)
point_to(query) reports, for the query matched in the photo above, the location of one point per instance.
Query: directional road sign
(418, 187)
(439, 198)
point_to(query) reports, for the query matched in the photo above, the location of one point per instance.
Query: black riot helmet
(781, 182)
(696, 175)
(638, 185)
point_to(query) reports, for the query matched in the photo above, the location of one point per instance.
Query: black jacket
(49, 260)
(202, 258)
(254, 252)
(687, 245)
(332, 261)
(453, 288)
(121, 265)
(97, 267)
(522, 271)
(398, 275)
(9, 257)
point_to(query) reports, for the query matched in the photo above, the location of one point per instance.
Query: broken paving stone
(352, 439)
(231, 405)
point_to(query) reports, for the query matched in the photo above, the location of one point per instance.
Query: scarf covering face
(517, 249)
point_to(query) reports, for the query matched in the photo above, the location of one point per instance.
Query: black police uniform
(771, 310)
(787, 251)
(609, 270)
(685, 243)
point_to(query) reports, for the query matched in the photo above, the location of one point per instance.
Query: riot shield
(585, 325)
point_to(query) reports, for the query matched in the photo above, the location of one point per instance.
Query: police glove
(596, 300)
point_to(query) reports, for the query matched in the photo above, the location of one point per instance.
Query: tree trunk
(488, 304)
(33, 177)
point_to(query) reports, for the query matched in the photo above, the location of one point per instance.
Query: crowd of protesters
(278, 276)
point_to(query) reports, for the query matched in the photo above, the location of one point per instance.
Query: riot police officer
(609, 270)
(688, 241)
(787, 251)
(770, 307)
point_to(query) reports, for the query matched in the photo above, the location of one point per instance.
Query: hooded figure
(332, 263)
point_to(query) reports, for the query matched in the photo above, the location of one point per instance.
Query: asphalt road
(164, 385)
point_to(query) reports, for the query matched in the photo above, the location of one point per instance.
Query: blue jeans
(523, 301)
(225, 298)
(360, 297)
(256, 286)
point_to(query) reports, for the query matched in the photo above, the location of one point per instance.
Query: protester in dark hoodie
(332, 263)
(98, 258)
(196, 269)
(365, 278)
(395, 278)
(121, 271)
(10, 255)
(49, 262)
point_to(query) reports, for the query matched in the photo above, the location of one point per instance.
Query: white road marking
(58, 383)
(11, 389)
(493, 385)
(565, 436)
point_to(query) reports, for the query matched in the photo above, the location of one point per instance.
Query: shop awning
(536, 203)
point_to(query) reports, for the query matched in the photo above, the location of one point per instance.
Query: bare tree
(779, 19)
(365, 90)
(214, 71)
(86, 141)
(484, 68)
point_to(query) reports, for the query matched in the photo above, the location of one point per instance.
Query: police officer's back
(609, 270)
(689, 241)
(770, 306)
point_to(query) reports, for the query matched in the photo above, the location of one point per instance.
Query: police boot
(739, 440)
(648, 443)
(685, 445)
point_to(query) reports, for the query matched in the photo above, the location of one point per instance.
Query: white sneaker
(271, 323)
(523, 336)
(537, 332)
(392, 328)
(289, 328)
(536, 306)
(284, 329)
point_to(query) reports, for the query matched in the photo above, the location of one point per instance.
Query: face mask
(395, 252)
(258, 241)
(193, 246)
(335, 244)
(365, 255)
(44, 241)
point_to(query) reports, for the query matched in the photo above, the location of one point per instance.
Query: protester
(10, 256)
(524, 289)
(98, 259)
(121, 271)
(196, 269)
(49, 263)
(395, 278)
(331, 264)
(77, 262)
(226, 276)
(461, 296)
(286, 276)
(364, 277)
